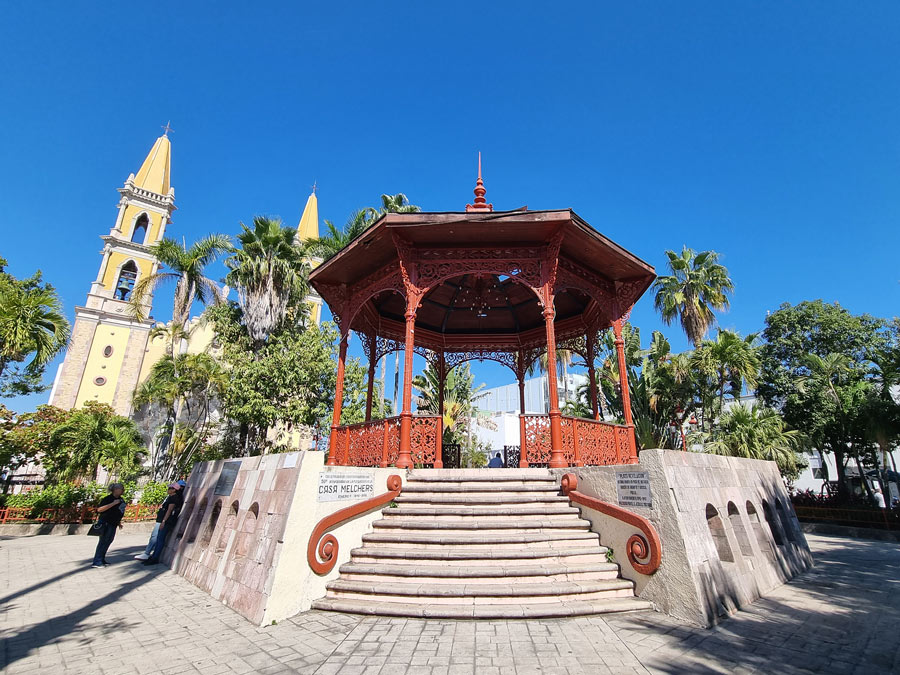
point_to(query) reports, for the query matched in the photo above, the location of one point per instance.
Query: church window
(99, 381)
(140, 229)
(107, 351)
(127, 278)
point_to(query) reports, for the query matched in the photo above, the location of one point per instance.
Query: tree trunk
(863, 480)
(843, 489)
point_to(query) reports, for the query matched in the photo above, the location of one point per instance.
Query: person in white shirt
(879, 498)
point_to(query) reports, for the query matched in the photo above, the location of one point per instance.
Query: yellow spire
(154, 172)
(309, 221)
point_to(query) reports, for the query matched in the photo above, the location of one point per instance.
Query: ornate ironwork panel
(366, 443)
(596, 442)
(423, 439)
(627, 446)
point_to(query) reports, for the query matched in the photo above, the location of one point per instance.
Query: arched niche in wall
(228, 528)
(740, 532)
(213, 520)
(773, 526)
(717, 532)
(785, 521)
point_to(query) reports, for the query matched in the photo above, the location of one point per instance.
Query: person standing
(879, 499)
(167, 517)
(111, 510)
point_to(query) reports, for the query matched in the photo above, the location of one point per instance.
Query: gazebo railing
(377, 442)
(586, 442)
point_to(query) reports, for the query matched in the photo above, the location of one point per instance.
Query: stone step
(525, 572)
(543, 610)
(483, 486)
(469, 498)
(459, 524)
(489, 475)
(508, 593)
(462, 556)
(481, 539)
(486, 511)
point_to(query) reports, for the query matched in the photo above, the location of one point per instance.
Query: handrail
(325, 548)
(647, 547)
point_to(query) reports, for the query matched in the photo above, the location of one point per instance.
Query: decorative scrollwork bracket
(644, 550)
(322, 550)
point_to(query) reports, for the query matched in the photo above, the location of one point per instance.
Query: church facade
(110, 351)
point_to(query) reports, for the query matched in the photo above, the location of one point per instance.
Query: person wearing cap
(166, 517)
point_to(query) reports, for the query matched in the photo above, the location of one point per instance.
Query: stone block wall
(228, 543)
(728, 529)
(248, 548)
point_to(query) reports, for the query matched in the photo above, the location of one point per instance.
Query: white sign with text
(339, 487)
(633, 488)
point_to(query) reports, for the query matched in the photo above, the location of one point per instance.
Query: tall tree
(290, 380)
(189, 384)
(460, 399)
(186, 267)
(31, 325)
(729, 360)
(335, 239)
(90, 437)
(697, 285)
(814, 370)
(757, 432)
(270, 275)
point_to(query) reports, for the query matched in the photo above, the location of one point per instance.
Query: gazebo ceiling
(480, 276)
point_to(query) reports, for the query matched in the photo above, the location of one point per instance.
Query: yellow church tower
(107, 347)
(308, 228)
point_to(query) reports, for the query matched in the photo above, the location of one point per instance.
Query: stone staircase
(482, 544)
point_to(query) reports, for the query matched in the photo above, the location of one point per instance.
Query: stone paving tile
(59, 616)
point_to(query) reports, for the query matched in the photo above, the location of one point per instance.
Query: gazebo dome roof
(479, 276)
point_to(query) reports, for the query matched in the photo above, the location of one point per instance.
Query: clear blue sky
(768, 131)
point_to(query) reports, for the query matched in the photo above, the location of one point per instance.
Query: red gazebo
(482, 284)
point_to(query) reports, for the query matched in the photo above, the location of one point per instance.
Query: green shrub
(57, 496)
(154, 493)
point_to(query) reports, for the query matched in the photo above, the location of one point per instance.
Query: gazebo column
(338, 400)
(557, 456)
(520, 374)
(592, 375)
(404, 461)
(623, 371)
(372, 360)
(442, 379)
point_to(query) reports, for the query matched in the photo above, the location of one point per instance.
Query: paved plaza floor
(57, 615)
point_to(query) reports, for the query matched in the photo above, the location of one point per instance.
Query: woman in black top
(111, 510)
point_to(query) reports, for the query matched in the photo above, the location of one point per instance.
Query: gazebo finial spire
(480, 202)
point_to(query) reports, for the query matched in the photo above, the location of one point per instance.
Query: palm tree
(187, 266)
(757, 433)
(729, 359)
(697, 286)
(120, 448)
(397, 203)
(460, 397)
(328, 246)
(185, 387)
(31, 322)
(270, 275)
